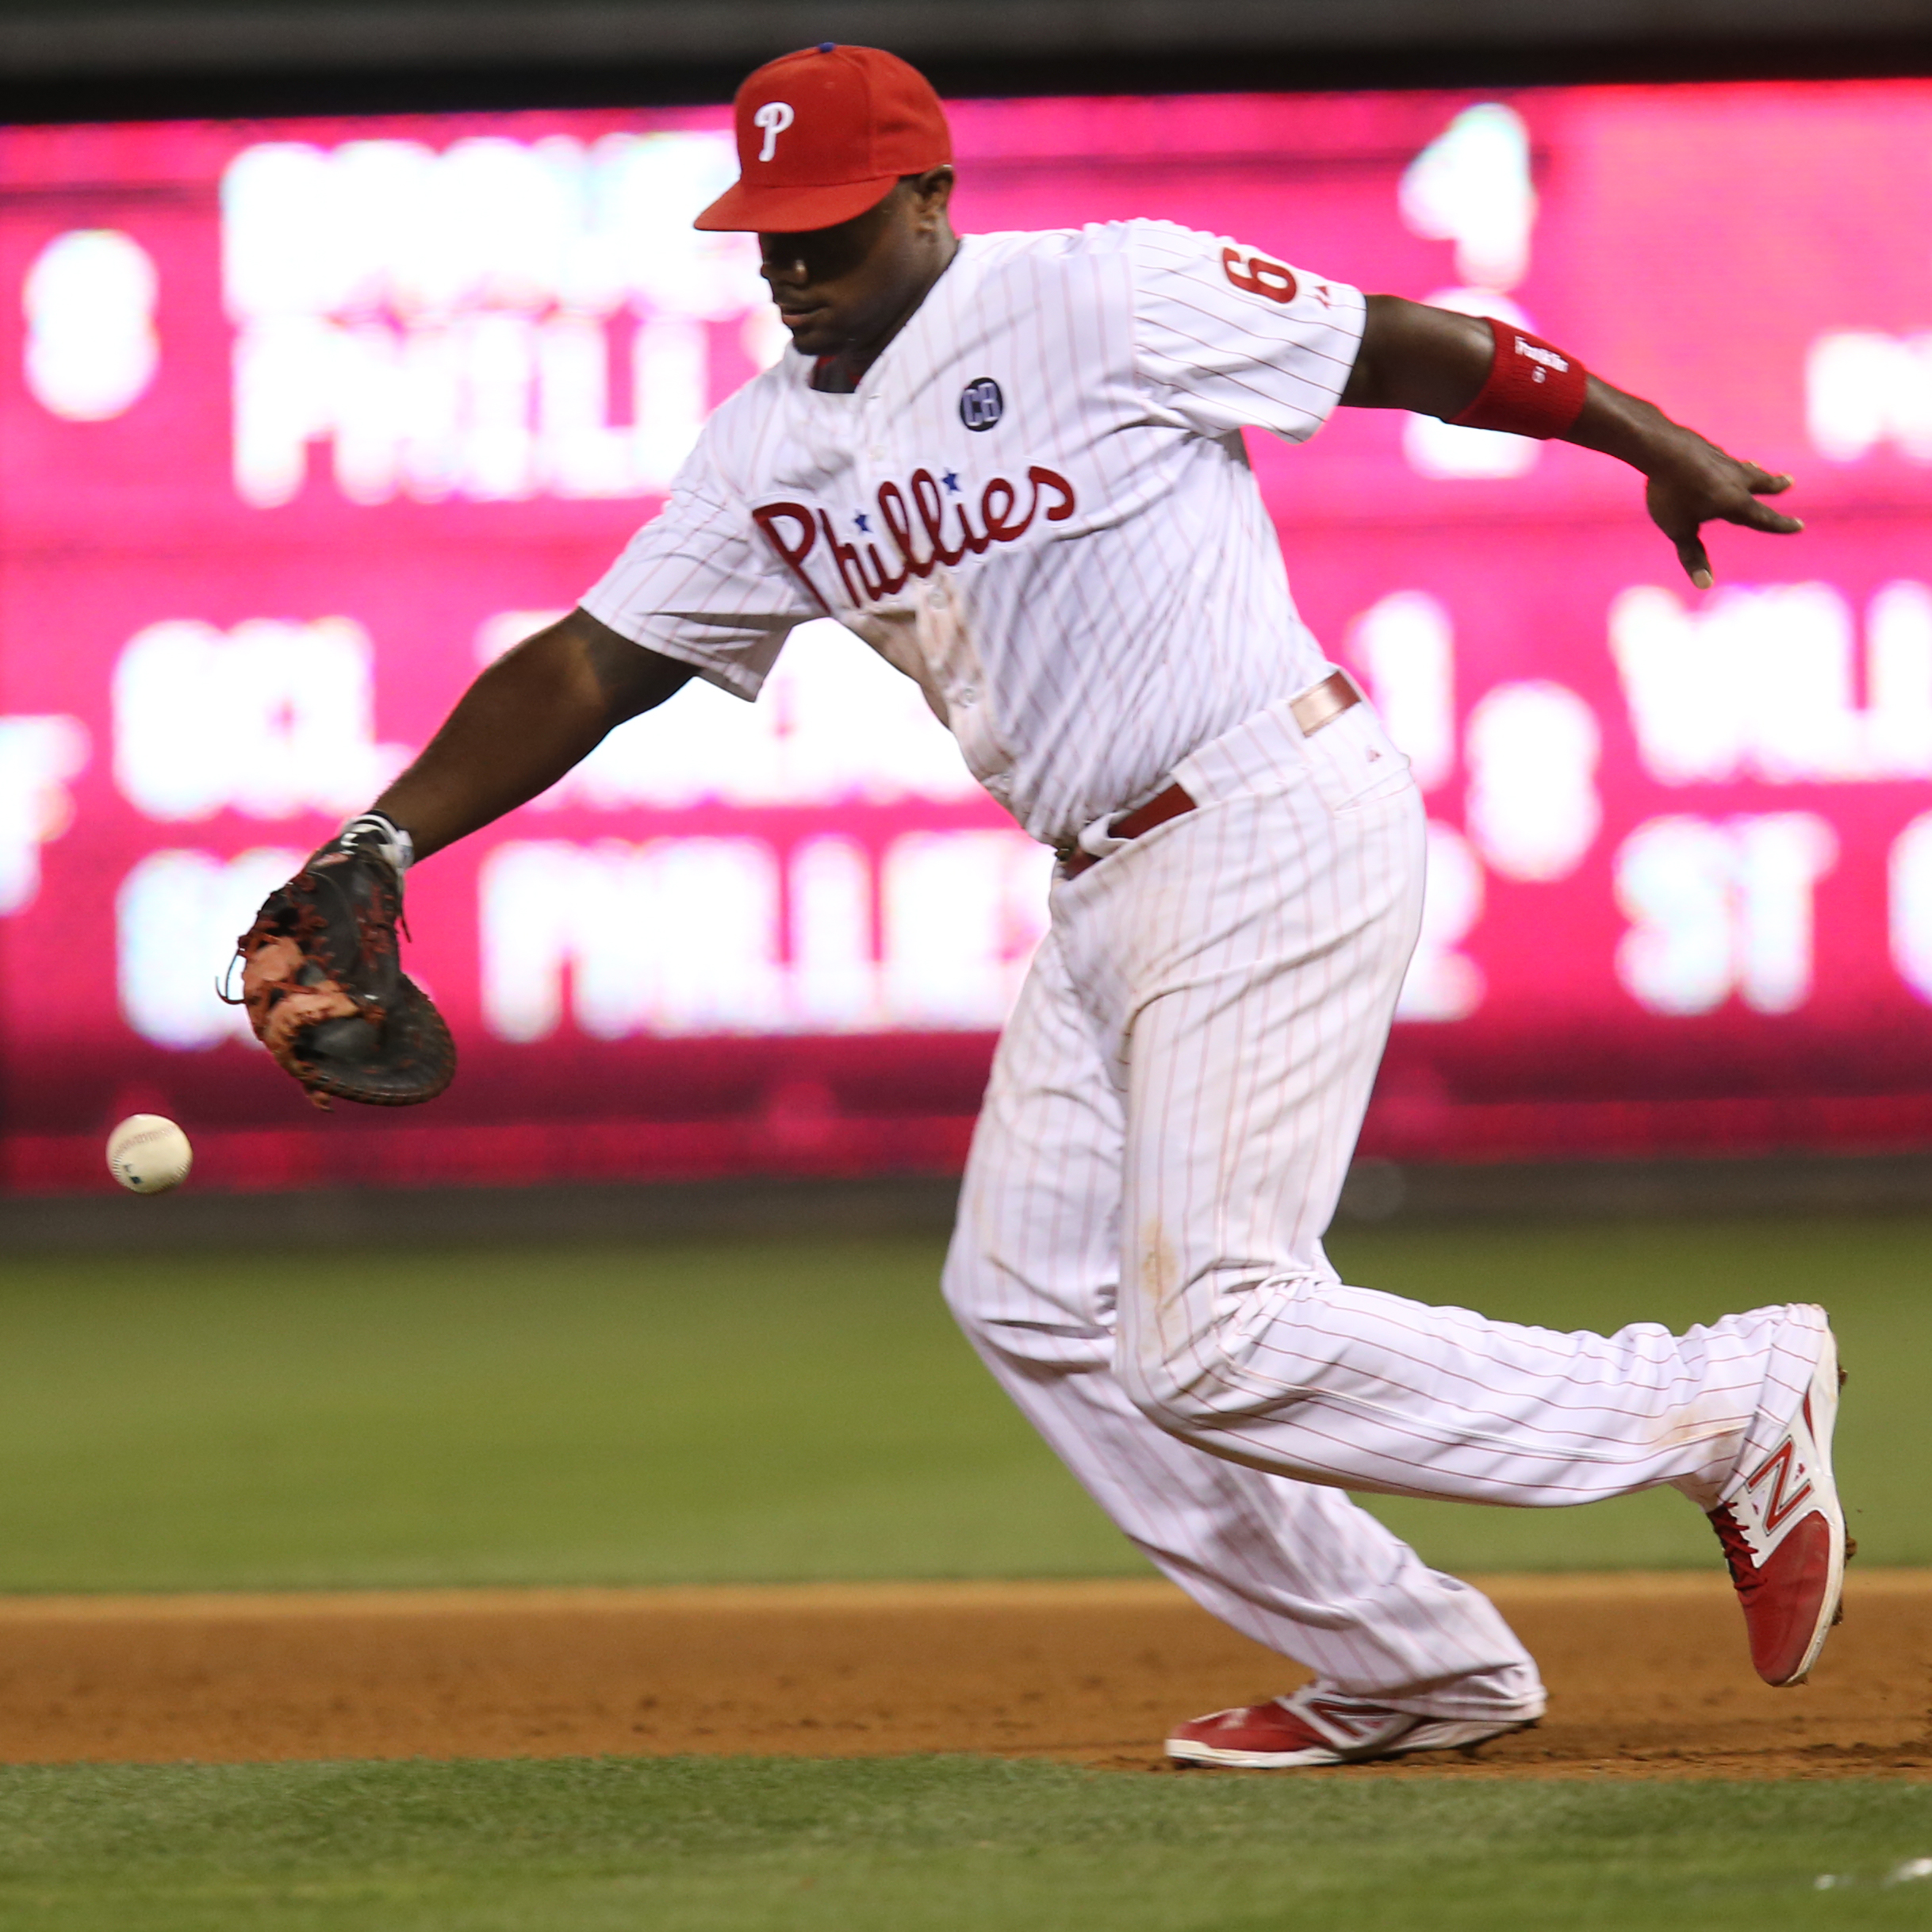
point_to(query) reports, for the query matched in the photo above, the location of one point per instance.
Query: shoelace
(1737, 1551)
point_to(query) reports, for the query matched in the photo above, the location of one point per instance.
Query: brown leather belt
(1319, 705)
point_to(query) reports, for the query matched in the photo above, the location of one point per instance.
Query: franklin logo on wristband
(1537, 353)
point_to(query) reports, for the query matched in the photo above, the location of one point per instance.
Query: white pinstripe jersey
(1036, 502)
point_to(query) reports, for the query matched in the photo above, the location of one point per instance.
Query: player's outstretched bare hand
(1698, 484)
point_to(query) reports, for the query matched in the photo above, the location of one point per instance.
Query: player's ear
(931, 192)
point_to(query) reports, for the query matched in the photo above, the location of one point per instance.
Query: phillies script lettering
(921, 530)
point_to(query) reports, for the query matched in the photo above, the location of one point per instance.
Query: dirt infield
(1648, 1675)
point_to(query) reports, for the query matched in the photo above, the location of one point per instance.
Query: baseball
(148, 1154)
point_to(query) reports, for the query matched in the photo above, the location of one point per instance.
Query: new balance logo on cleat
(1779, 1504)
(1355, 1723)
(1782, 1534)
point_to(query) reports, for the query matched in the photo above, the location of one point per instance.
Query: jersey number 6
(1258, 275)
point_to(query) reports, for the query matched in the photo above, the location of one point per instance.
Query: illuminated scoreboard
(302, 423)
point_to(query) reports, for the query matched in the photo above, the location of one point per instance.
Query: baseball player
(1014, 464)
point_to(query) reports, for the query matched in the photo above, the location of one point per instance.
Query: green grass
(519, 1416)
(901, 1845)
(801, 1409)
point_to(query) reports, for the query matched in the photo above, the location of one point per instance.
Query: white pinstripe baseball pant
(1139, 1258)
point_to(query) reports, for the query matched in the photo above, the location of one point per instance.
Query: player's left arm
(1437, 363)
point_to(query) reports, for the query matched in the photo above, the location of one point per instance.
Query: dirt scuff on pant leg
(1648, 1675)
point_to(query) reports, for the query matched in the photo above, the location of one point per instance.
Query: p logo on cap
(855, 120)
(774, 117)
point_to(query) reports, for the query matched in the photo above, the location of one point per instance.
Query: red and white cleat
(1783, 1530)
(1311, 1727)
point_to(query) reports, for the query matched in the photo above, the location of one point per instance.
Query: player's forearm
(1466, 369)
(537, 711)
(1636, 431)
(1413, 357)
(1435, 363)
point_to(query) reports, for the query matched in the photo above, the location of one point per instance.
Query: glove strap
(376, 831)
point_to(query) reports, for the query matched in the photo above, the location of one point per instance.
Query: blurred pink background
(300, 421)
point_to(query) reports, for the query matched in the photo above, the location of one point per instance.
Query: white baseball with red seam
(148, 1154)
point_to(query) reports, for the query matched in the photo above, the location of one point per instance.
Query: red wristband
(1532, 390)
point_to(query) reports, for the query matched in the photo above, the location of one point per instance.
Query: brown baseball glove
(323, 981)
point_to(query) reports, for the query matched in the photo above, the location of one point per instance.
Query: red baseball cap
(825, 134)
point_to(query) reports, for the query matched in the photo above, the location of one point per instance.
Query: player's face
(850, 286)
